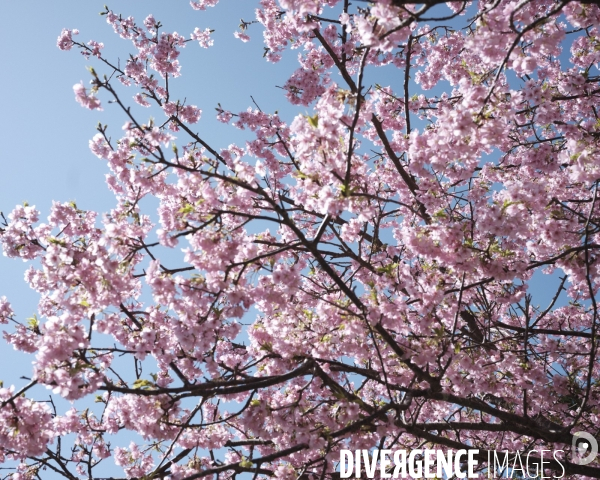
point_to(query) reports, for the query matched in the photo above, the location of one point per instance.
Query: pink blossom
(6, 311)
(85, 100)
(141, 100)
(190, 113)
(65, 40)
(358, 273)
(202, 4)
(95, 48)
(242, 36)
(203, 37)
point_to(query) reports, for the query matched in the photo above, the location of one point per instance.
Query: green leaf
(187, 209)
(33, 322)
(313, 121)
(387, 269)
(56, 241)
(143, 384)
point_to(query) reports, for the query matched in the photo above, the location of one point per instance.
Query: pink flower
(150, 22)
(190, 113)
(96, 47)
(65, 40)
(242, 36)
(141, 100)
(85, 100)
(5, 310)
(202, 4)
(203, 37)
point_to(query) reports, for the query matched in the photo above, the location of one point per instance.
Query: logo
(583, 442)
(462, 464)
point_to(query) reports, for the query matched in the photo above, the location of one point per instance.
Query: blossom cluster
(357, 274)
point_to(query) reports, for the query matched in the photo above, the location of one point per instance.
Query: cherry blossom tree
(356, 276)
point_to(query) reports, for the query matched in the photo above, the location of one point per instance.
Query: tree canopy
(355, 276)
